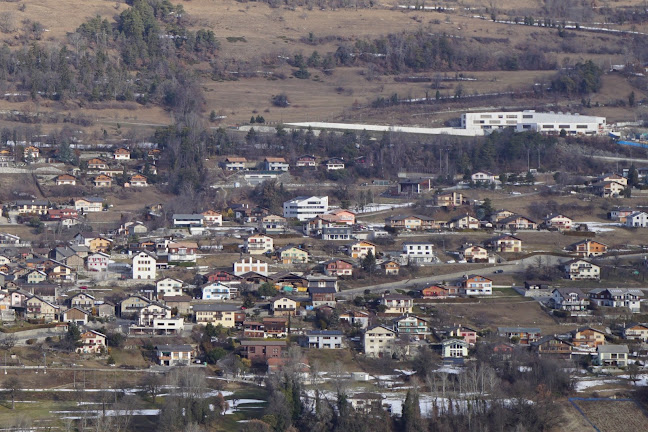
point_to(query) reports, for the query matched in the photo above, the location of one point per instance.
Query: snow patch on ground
(600, 226)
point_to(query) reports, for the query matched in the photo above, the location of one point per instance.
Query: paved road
(516, 266)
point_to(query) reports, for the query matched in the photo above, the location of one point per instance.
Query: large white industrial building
(521, 121)
(305, 207)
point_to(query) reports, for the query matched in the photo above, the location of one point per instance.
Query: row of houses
(272, 164)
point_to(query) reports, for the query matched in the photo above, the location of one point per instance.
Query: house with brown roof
(516, 222)
(122, 154)
(96, 163)
(92, 342)
(391, 268)
(587, 337)
(505, 243)
(435, 292)
(588, 248)
(414, 222)
(212, 218)
(102, 181)
(65, 180)
(138, 180)
(448, 199)
(234, 163)
(275, 164)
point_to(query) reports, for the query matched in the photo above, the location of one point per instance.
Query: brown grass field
(269, 32)
(613, 416)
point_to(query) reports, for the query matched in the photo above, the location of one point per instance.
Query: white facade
(521, 121)
(455, 348)
(259, 244)
(325, 339)
(379, 341)
(168, 287)
(144, 266)
(88, 205)
(304, 208)
(98, 261)
(483, 177)
(582, 269)
(248, 265)
(418, 252)
(637, 220)
(216, 291)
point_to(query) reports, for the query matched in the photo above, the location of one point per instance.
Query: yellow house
(223, 314)
(293, 255)
(362, 248)
(99, 244)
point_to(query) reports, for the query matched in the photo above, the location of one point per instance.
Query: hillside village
(413, 268)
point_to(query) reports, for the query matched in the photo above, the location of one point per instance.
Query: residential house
(608, 189)
(379, 341)
(588, 248)
(182, 252)
(168, 287)
(180, 304)
(569, 299)
(558, 221)
(273, 224)
(216, 291)
(618, 298)
(138, 180)
(215, 313)
(516, 222)
(463, 222)
(414, 186)
(247, 265)
(283, 306)
(222, 276)
(448, 199)
(188, 220)
(453, 348)
(82, 300)
(397, 303)
(475, 254)
(130, 307)
(356, 318)
(88, 205)
(275, 327)
(636, 331)
(292, 255)
(612, 355)
(521, 335)
(98, 244)
(97, 164)
(412, 327)
(235, 163)
(361, 249)
(338, 267)
(262, 350)
(465, 333)
(324, 339)
(62, 214)
(39, 309)
(35, 207)
(97, 262)
(153, 311)
(122, 154)
(212, 218)
(76, 316)
(418, 252)
(319, 281)
(391, 268)
(336, 232)
(342, 216)
(587, 337)
(144, 265)
(275, 164)
(306, 161)
(92, 342)
(553, 346)
(620, 214)
(476, 285)
(324, 296)
(500, 215)
(414, 223)
(334, 164)
(31, 153)
(435, 292)
(483, 177)
(65, 180)
(102, 181)
(613, 178)
(258, 244)
(581, 269)
(36, 276)
(505, 243)
(304, 208)
(637, 220)
(174, 355)
(366, 402)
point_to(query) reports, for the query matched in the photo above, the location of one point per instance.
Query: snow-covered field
(369, 208)
(383, 128)
(600, 226)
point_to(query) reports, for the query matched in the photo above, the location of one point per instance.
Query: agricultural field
(613, 416)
